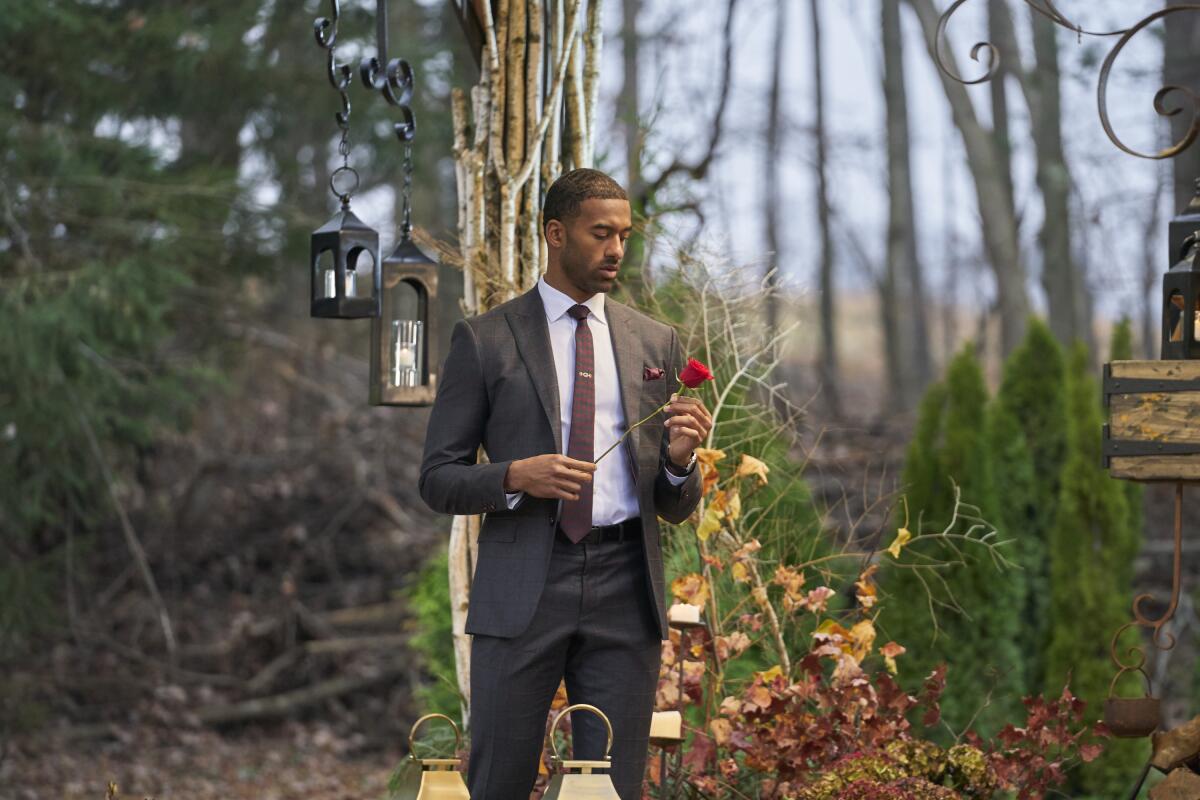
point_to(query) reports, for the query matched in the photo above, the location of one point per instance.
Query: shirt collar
(557, 303)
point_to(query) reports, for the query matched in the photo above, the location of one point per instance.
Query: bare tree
(1181, 67)
(999, 18)
(828, 365)
(772, 197)
(903, 292)
(1063, 280)
(1000, 224)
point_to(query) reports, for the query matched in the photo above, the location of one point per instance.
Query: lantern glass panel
(407, 344)
(1175, 308)
(326, 274)
(360, 260)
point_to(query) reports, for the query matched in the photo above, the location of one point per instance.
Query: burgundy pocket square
(653, 373)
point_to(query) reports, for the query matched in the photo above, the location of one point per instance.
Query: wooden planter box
(1153, 433)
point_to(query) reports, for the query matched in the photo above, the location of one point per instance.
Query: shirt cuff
(514, 499)
(679, 480)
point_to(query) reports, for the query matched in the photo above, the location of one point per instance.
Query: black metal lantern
(343, 286)
(403, 348)
(1181, 286)
(345, 268)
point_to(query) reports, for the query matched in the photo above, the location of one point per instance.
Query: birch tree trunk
(508, 148)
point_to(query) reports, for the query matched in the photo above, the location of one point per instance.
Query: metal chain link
(406, 192)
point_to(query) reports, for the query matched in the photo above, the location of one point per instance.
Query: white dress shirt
(614, 495)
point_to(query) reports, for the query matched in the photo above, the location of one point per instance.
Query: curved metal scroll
(993, 52)
(1160, 106)
(1049, 10)
(1176, 575)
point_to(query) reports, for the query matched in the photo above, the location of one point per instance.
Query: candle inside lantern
(666, 725)
(330, 283)
(683, 612)
(406, 351)
(351, 287)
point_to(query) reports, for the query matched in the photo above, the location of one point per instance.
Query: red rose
(694, 374)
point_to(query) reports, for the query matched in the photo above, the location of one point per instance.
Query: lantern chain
(406, 192)
(325, 31)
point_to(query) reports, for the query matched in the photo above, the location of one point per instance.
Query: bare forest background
(210, 544)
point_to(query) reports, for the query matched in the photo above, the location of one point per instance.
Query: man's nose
(615, 250)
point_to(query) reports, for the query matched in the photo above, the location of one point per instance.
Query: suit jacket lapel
(627, 351)
(532, 335)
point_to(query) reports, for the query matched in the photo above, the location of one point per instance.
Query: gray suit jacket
(498, 389)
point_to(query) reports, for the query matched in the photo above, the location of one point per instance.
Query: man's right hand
(552, 476)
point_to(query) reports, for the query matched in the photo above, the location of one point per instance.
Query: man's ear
(556, 233)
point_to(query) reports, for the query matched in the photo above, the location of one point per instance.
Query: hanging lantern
(403, 344)
(1150, 435)
(344, 252)
(345, 268)
(430, 778)
(1181, 285)
(592, 781)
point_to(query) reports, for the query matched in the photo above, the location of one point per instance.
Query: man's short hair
(568, 192)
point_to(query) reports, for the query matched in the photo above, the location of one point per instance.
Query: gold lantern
(591, 781)
(430, 778)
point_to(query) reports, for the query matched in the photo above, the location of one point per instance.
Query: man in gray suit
(569, 582)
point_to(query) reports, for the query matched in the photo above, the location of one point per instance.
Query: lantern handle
(581, 707)
(1112, 686)
(350, 190)
(413, 731)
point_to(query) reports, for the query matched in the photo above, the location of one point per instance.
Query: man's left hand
(688, 423)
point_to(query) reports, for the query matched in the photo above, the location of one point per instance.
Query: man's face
(594, 244)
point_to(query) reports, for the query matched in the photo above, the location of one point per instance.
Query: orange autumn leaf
(889, 652)
(707, 458)
(759, 696)
(721, 730)
(865, 588)
(862, 638)
(691, 588)
(792, 582)
(752, 466)
(817, 599)
(730, 503)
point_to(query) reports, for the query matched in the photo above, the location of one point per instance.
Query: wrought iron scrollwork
(392, 78)
(1160, 97)
(1049, 10)
(1161, 638)
(993, 52)
(325, 31)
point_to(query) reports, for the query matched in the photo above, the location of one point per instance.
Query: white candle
(683, 612)
(666, 725)
(330, 283)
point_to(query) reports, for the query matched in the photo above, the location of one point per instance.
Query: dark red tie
(577, 514)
